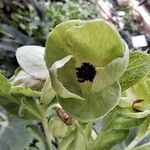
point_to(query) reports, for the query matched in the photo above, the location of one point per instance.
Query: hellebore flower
(85, 61)
(136, 100)
(32, 72)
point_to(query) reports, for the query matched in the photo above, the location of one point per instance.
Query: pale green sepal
(131, 114)
(31, 60)
(95, 105)
(56, 84)
(126, 102)
(56, 47)
(107, 75)
(87, 41)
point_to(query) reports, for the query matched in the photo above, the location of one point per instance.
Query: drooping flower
(85, 61)
(136, 100)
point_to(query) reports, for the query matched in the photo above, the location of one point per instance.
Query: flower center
(86, 72)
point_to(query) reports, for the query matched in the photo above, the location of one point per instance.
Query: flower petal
(112, 72)
(31, 60)
(78, 99)
(95, 105)
(93, 41)
(56, 84)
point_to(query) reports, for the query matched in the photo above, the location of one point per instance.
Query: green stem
(47, 134)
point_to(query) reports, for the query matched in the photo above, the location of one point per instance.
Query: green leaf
(12, 108)
(145, 146)
(26, 91)
(9, 45)
(37, 134)
(29, 109)
(106, 140)
(64, 144)
(139, 66)
(79, 141)
(31, 60)
(13, 134)
(20, 37)
(124, 123)
(143, 131)
(5, 86)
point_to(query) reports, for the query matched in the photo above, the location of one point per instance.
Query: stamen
(86, 72)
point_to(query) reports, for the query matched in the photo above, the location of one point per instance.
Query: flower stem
(47, 134)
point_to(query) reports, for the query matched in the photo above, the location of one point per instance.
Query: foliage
(76, 81)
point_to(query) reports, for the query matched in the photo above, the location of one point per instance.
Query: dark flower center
(86, 72)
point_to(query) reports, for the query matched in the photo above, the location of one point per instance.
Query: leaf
(79, 141)
(123, 123)
(5, 86)
(20, 37)
(9, 45)
(64, 144)
(13, 134)
(142, 132)
(139, 66)
(26, 91)
(31, 60)
(12, 108)
(36, 133)
(106, 140)
(47, 93)
(144, 128)
(142, 147)
(29, 109)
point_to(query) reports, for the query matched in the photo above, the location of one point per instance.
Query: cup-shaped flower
(32, 72)
(85, 61)
(136, 100)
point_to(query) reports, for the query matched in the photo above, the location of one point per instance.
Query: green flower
(85, 61)
(136, 100)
